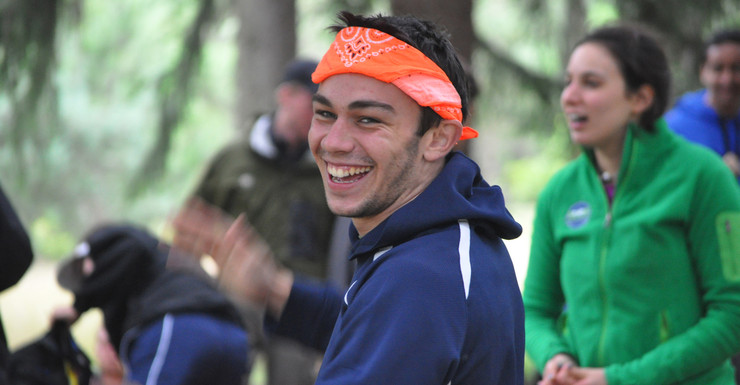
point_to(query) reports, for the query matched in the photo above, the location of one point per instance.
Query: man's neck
(724, 111)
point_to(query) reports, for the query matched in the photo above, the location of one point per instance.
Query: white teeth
(338, 172)
(576, 117)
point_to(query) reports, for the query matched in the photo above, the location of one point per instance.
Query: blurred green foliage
(526, 176)
(108, 66)
(50, 238)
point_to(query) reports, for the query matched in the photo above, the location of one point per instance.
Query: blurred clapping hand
(246, 266)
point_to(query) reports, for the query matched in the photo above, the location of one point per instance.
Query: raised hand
(247, 268)
(198, 227)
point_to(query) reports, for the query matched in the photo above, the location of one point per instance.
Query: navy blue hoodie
(434, 299)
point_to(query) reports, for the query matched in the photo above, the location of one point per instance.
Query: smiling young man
(434, 298)
(711, 116)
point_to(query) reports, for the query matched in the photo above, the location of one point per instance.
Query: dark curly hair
(722, 36)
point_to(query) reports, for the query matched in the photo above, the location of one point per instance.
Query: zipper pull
(608, 219)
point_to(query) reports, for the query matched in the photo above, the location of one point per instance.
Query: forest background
(110, 110)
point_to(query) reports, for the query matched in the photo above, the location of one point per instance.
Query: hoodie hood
(458, 192)
(693, 104)
(126, 259)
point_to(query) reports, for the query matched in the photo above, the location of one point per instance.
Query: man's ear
(439, 140)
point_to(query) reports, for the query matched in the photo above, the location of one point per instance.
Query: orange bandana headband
(376, 54)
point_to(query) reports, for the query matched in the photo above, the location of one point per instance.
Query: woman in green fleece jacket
(634, 272)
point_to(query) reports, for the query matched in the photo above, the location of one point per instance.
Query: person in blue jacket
(434, 298)
(711, 116)
(168, 323)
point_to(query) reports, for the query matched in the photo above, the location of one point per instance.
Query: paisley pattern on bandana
(357, 44)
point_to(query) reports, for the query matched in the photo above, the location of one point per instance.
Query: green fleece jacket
(649, 286)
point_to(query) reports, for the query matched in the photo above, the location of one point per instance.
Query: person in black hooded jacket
(169, 325)
(16, 255)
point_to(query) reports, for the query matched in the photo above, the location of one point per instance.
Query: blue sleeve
(309, 315)
(404, 325)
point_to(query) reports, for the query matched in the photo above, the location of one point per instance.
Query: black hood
(126, 260)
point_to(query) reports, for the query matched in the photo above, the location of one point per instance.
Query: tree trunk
(679, 26)
(266, 44)
(455, 16)
(575, 28)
